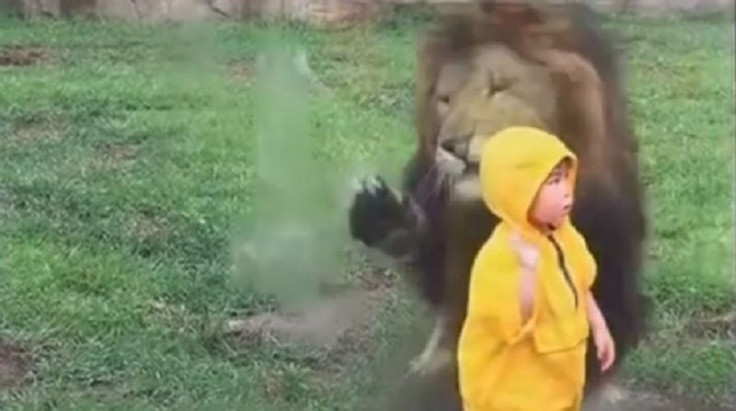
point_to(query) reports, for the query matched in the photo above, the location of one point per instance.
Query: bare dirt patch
(324, 333)
(35, 133)
(117, 153)
(148, 231)
(244, 71)
(722, 326)
(14, 365)
(38, 128)
(21, 56)
(144, 227)
(172, 315)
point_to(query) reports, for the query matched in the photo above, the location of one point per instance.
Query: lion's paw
(376, 211)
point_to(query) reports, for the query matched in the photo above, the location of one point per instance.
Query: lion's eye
(444, 99)
(497, 85)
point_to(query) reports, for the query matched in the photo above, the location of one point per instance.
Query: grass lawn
(127, 173)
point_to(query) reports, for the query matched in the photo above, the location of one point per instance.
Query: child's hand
(605, 346)
(528, 254)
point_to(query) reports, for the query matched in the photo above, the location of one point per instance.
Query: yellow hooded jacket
(505, 365)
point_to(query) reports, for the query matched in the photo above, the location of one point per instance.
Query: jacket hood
(514, 164)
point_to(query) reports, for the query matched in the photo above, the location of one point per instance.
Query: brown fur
(589, 113)
(481, 70)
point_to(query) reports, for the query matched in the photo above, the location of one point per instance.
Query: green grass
(124, 182)
(682, 105)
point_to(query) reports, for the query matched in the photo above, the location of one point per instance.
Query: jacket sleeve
(491, 324)
(494, 297)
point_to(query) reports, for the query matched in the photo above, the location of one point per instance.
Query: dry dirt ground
(14, 365)
(21, 56)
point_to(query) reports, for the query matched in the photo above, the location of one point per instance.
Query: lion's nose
(457, 146)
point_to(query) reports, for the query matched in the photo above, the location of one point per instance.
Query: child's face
(554, 199)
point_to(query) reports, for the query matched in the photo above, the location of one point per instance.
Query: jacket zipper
(563, 267)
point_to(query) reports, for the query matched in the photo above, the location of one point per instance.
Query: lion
(501, 65)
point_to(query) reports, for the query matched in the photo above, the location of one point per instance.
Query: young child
(530, 309)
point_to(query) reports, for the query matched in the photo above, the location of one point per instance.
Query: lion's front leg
(436, 355)
(397, 226)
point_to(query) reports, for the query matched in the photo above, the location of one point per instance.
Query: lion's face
(479, 94)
